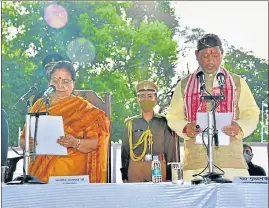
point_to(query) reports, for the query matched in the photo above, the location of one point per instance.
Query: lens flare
(81, 50)
(55, 16)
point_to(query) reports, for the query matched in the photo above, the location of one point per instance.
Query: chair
(105, 105)
(11, 168)
(9, 163)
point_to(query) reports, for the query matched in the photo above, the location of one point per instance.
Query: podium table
(135, 195)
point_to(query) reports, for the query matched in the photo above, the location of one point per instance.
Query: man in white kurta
(186, 103)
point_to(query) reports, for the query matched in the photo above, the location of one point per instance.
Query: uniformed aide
(146, 135)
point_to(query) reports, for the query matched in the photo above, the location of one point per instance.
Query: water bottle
(156, 170)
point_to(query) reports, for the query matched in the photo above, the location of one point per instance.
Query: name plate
(251, 179)
(80, 179)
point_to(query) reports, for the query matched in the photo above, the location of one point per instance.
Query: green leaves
(255, 70)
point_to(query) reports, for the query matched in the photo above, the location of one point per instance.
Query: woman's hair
(63, 65)
(52, 58)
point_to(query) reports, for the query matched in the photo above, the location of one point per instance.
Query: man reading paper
(238, 100)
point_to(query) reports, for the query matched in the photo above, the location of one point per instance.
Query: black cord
(204, 140)
(23, 168)
(199, 174)
(220, 169)
(214, 107)
(207, 156)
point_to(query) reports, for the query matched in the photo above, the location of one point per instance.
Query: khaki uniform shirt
(162, 139)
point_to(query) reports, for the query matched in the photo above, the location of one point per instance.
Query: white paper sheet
(50, 128)
(222, 119)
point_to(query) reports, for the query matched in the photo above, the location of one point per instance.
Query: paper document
(49, 129)
(222, 119)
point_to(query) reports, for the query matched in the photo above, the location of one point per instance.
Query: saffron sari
(82, 120)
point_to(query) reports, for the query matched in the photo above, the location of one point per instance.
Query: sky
(242, 23)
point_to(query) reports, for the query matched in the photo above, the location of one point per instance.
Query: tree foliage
(255, 71)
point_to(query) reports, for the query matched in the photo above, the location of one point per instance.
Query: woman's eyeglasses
(56, 81)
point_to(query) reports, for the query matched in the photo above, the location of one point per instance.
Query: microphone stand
(211, 176)
(26, 178)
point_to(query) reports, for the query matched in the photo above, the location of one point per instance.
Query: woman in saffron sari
(86, 132)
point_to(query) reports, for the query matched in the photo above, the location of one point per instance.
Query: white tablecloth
(135, 195)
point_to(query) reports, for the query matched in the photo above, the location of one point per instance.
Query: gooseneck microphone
(28, 94)
(221, 81)
(201, 77)
(49, 91)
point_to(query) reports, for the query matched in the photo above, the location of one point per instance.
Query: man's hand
(191, 130)
(67, 141)
(232, 130)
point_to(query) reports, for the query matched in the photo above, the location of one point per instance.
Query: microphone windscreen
(220, 74)
(199, 74)
(53, 87)
(33, 89)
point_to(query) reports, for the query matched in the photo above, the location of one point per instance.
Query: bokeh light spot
(81, 50)
(55, 15)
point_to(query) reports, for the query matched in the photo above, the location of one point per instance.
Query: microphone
(48, 91)
(28, 94)
(201, 77)
(221, 81)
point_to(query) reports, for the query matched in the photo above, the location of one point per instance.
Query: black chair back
(11, 168)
